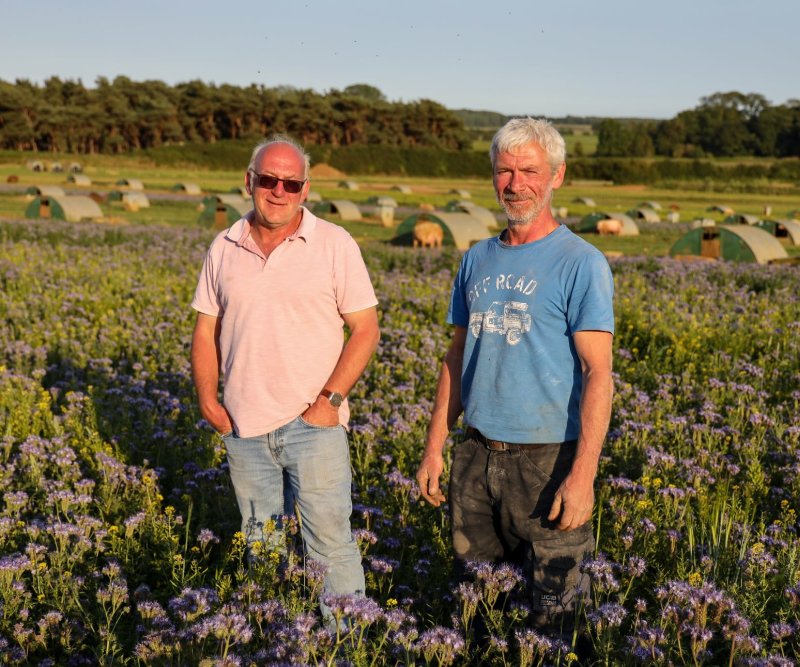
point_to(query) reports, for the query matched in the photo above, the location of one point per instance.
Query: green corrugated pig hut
(344, 208)
(735, 243)
(221, 211)
(588, 224)
(70, 208)
(782, 229)
(458, 229)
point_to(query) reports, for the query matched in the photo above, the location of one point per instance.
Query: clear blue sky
(580, 57)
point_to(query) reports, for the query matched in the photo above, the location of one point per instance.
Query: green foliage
(124, 115)
(722, 125)
(366, 91)
(630, 170)
(481, 119)
(406, 161)
(225, 154)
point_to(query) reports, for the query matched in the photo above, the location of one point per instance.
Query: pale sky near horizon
(620, 58)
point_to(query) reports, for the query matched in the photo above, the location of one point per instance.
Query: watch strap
(334, 397)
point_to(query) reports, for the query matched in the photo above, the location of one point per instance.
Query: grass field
(655, 239)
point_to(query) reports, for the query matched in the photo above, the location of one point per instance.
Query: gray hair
(281, 139)
(520, 131)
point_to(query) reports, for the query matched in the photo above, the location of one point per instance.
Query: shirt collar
(239, 231)
(307, 225)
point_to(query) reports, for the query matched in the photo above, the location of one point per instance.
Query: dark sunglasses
(268, 182)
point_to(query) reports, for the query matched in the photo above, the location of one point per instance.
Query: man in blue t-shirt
(530, 368)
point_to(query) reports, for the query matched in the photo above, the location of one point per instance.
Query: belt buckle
(496, 445)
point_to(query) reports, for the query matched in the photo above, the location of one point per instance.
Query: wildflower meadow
(119, 540)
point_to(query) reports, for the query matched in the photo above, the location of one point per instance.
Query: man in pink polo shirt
(274, 295)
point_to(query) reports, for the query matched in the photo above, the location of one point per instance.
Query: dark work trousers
(499, 502)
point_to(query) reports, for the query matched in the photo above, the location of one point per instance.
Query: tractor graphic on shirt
(509, 319)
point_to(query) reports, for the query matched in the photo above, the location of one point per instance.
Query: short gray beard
(514, 219)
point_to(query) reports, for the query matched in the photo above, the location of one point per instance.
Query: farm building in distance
(131, 183)
(344, 208)
(479, 212)
(720, 208)
(588, 224)
(74, 208)
(382, 201)
(221, 211)
(79, 179)
(230, 198)
(782, 229)
(458, 229)
(741, 219)
(644, 213)
(460, 192)
(650, 204)
(45, 190)
(188, 188)
(132, 201)
(736, 243)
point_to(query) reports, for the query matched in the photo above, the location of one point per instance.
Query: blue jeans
(315, 462)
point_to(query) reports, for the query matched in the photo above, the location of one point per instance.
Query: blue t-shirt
(521, 378)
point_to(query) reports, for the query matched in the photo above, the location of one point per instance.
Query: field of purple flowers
(118, 529)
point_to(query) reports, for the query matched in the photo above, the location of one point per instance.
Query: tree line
(722, 125)
(123, 115)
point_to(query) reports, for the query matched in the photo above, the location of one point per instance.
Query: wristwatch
(334, 397)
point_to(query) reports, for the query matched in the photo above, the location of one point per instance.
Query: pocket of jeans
(547, 464)
(317, 427)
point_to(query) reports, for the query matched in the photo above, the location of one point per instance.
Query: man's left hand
(573, 503)
(321, 413)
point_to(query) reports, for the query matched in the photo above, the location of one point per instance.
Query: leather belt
(499, 445)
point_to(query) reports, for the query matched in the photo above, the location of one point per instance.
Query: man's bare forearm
(205, 363)
(357, 351)
(595, 415)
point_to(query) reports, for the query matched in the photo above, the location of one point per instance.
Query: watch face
(334, 397)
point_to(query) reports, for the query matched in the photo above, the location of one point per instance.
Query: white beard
(517, 217)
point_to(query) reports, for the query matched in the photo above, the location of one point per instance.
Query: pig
(428, 234)
(610, 227)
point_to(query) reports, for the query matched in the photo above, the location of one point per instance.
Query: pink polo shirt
(282, 331)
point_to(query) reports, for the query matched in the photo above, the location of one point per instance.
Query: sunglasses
(268, 182)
